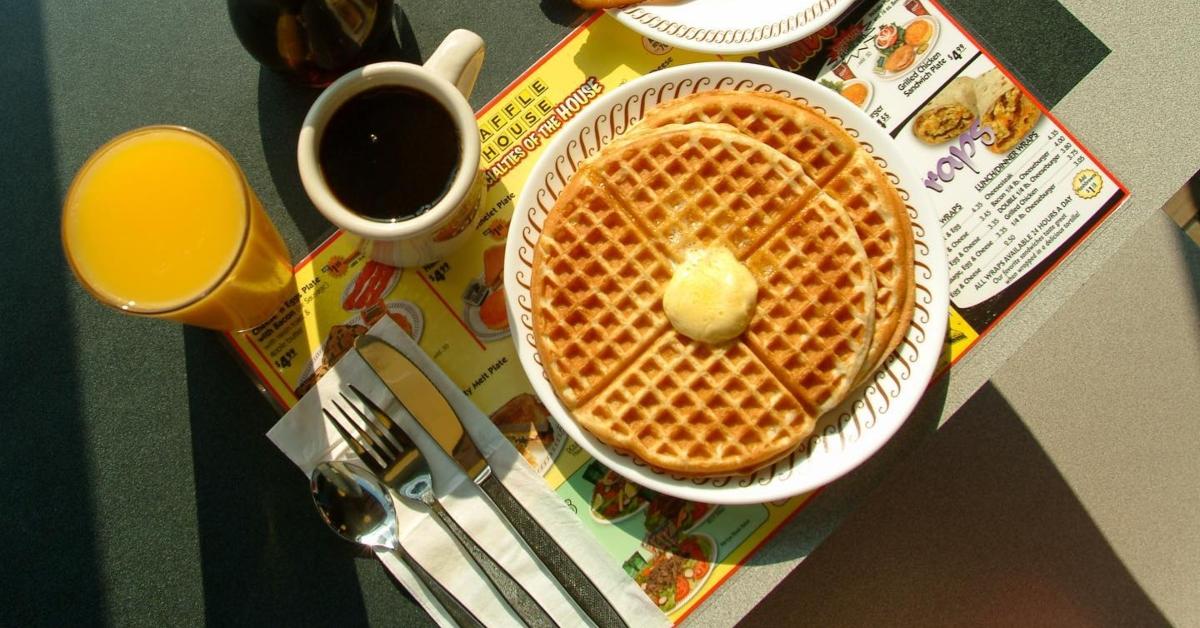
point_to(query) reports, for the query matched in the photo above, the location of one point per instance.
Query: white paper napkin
(307, 439)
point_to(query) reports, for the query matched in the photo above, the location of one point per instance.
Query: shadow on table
(562, 12)
(266, 557)
(282, 106)
(1189, 250)
(978, 529)
(51, 571)
(826, 510)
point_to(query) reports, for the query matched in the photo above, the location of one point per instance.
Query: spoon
(355, 505)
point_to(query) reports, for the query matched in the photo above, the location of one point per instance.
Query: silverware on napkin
(390, 454)
(356, 506)
(413, 391)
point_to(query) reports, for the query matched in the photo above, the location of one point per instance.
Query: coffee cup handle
(458, 60)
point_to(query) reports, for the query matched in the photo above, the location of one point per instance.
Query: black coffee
(390, 153)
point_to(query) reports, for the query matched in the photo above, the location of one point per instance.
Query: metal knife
(433, 411)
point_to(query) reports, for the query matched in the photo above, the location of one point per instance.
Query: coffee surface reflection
(390, 153)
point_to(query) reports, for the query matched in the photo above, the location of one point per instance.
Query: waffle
(606, 254)
(706, 190)
(598, 282)
(817, 302)
(845, 170)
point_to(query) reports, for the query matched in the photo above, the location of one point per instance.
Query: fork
(388, 452)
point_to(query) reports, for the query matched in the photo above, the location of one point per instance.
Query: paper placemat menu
(1008, 216)
(1016, 192)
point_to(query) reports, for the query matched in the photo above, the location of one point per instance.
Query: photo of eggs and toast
(483, 299)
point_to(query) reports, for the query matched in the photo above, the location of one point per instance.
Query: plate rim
(817, 15)
(928, 246)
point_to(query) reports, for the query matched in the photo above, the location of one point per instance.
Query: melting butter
(711, 296)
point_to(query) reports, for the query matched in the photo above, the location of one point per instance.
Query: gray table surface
(140, 489)
(1101, 363)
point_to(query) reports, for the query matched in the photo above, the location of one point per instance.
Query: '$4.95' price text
(285, 360)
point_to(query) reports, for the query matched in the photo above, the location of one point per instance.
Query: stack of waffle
(799, 203)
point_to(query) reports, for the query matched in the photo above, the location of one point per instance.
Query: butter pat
(711, 296)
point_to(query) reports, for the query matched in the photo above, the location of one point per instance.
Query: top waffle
(610, 246)
(845, 171)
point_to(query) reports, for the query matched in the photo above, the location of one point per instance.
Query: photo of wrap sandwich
(990, 98)
(949, 114)
(1005, 108)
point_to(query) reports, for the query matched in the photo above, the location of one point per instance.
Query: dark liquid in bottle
(314, 41)
(390, 153)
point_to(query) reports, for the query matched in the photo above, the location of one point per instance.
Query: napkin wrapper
(307, 439)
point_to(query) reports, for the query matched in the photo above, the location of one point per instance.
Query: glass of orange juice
(161, 222)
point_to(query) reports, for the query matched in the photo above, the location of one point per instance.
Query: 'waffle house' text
(513, 129)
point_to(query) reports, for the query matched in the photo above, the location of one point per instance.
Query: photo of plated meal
(672, 575)
(991, 99)
(483, 300)
(855, 90)
(614, 498)
(340, 339)
(717, 277)
(525, 422)
(901, 48)
(674, 514)
(371, 283)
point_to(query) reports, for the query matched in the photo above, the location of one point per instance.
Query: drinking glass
(161, 222)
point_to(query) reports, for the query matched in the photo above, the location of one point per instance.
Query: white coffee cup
(448, 77)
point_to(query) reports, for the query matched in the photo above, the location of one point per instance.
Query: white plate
(847, 435)
(731, 26)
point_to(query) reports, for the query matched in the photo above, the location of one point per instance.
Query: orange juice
(161, 222)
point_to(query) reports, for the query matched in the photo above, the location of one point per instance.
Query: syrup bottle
(314, 41)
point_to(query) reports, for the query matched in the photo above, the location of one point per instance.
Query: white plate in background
(730, 26)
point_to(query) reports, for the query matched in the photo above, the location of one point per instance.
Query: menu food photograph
(587, 313)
